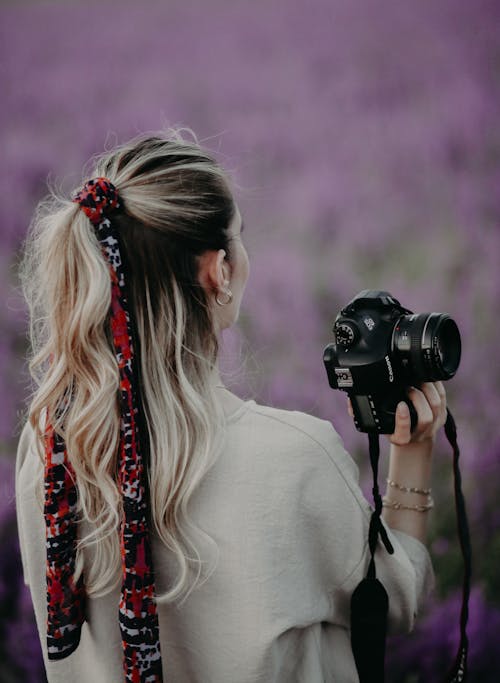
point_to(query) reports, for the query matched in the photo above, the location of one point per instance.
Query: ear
(213, 271)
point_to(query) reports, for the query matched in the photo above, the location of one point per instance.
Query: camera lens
(448, 346)
(427, 346)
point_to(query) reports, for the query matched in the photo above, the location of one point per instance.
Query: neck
(215, 378)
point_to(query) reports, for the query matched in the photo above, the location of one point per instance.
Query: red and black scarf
(66, 601)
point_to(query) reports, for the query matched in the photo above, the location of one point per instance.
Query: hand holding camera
(383, 355)
(429, 402)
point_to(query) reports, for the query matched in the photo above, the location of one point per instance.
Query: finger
(436, 396)
(402, 429)
(433, 398)
(424, 411)
(349, 407)
(442, 394)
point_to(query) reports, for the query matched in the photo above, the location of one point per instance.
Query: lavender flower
(365, 138)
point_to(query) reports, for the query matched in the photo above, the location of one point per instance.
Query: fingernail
(402, 409)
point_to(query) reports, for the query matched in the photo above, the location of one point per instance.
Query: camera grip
(377, 414)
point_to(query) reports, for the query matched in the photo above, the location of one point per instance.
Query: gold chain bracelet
(395, 505)
(408, 489)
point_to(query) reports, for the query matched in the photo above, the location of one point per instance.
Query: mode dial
(346, 334)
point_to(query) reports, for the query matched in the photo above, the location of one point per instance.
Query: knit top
(284, 507)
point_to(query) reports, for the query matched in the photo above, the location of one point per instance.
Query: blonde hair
(177, 203)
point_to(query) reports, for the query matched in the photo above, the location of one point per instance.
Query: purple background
(364, 139)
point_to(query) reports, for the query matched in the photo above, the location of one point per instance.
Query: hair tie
(137, 613)
(97, 198)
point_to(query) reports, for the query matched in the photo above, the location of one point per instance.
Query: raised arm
(407, 499)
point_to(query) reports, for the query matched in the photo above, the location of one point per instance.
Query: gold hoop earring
(229, 294)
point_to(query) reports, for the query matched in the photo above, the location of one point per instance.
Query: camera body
(381, 349)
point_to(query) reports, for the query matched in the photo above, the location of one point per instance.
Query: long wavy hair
(177, 203)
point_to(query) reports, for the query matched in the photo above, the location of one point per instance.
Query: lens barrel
(427, 346)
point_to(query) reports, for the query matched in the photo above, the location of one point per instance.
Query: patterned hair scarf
(66, 600)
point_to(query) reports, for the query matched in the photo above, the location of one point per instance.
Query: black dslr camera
(381, 349)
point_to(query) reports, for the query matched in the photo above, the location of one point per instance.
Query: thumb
(402, 430)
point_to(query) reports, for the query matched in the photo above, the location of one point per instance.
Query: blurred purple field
(365, 141)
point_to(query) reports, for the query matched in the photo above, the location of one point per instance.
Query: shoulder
(293, 423)
(299, 432)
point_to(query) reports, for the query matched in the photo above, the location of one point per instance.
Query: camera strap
(369, 601)
(458, 671)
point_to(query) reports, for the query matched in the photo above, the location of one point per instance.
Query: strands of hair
(176, 203)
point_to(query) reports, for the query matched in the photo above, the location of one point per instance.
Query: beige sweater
(284, 507)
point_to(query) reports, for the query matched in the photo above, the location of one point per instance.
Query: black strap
(458, 672)
(369, 602)
(376, 526)
(369, 609)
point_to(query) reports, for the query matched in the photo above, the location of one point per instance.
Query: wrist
(421, 448)
(411, 467)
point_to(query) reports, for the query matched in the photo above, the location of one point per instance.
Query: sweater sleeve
(337, 515)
